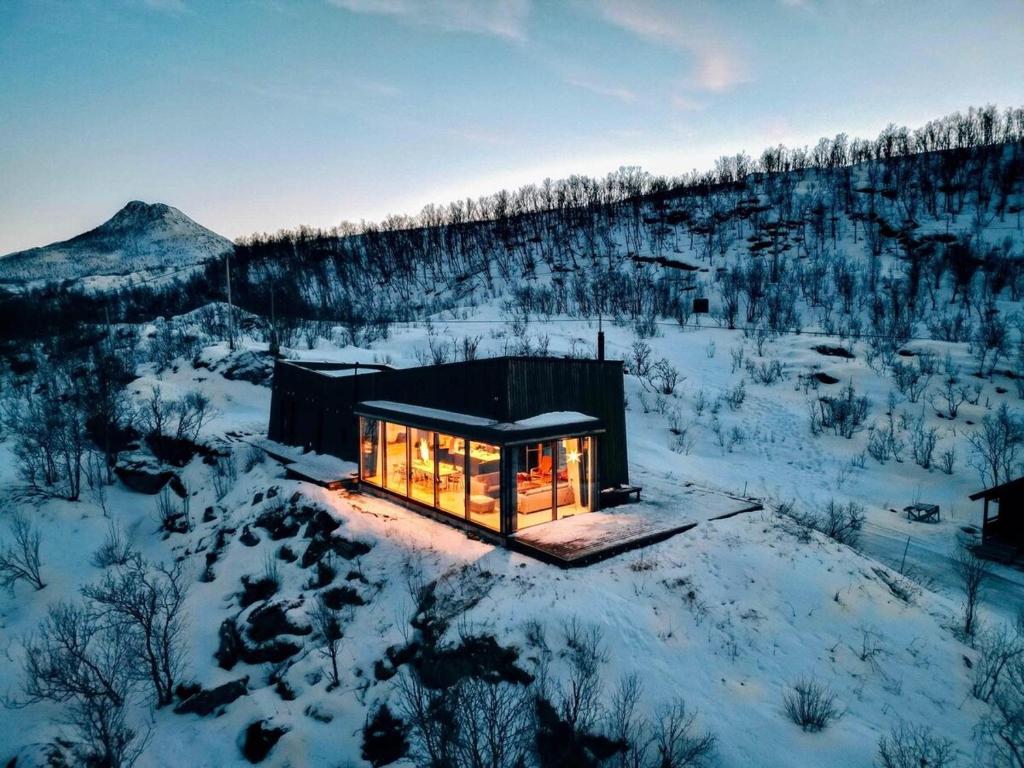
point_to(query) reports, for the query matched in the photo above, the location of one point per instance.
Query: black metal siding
(315, 411)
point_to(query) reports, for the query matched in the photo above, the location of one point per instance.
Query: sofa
(534, 499)
(486, 484)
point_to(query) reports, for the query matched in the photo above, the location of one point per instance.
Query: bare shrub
(79, 660)
(328, 624)
(677, 741)
(146, 603)
(252, 457)
(1000, 648)
(996, 446)
(665, 376)
(914, 746)
(495, 723)
(974, 574)
(20, 559)
(734, 397)
(844, 414)
(117, 548)
(810, 704)
(1002, 728)
(223, 475)
(765, 372)
(841, 522)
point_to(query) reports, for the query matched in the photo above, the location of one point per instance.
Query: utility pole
(231, 313)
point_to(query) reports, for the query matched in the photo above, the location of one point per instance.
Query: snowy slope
(141, 239)
(726, 616)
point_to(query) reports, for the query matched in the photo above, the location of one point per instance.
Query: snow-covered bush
(810, 704)
(117, 548)
(844, 414)
(841, 522)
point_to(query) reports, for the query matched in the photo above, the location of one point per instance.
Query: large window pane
(371, 451)
(485, 485)
(451, 468)
(534, 473)
(573, 479)
(421, 468)
(395, 453)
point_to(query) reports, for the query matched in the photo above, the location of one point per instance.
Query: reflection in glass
(395, 455)
(485, 485)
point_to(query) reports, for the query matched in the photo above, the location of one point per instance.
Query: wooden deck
(319, 468)
(586, 539)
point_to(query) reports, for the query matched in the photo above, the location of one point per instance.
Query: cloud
(376, 87)
(686, 104)
(717, 66)
(168, 6)
(500, 18)
(611, 91)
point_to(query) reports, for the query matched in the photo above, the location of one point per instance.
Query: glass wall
(573, 481)
(553, 479)
(533, 472)
(396, 458)
(371, 455)
(422, 470)
(451, 472)
(485, 485)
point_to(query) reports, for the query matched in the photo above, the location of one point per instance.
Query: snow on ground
(725, 615)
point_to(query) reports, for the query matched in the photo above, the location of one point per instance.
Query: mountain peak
(140, 238)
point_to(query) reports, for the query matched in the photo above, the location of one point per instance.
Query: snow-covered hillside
(142, 240)
(726, 617)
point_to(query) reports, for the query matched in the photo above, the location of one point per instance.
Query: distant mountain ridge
(141, 239)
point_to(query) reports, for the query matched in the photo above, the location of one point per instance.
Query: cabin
(1002, 521)
(496, 445)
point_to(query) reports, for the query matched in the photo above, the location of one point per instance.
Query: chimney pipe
(600, 345)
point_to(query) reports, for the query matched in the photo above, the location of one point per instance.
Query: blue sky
(273, 113)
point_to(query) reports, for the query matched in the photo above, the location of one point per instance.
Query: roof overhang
(546, 426)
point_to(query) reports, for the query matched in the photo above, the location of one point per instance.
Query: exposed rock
(342, 547)
(315, 712)
(205, 702)
(143, 474)
(248, 538)
(208, 515)
(833, 351)
(259, 738)
(322, 522)
(256, 589)
(228, 645)
(257, 498)
(271, 621)
(256, 367)
(339, 597)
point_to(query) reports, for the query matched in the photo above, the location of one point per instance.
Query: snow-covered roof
(551, 424)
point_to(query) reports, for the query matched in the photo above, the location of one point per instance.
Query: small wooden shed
(1003, 517)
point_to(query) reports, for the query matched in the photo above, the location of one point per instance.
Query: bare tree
(433, 722)
(329, 626)
(996, 446)
(912, 746)
(78, 659)
(495, 723)
(973, 573)
(677, 742)
(145, 603)
(20, 560)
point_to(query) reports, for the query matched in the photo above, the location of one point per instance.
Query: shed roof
(1002, 489)
(538, 427)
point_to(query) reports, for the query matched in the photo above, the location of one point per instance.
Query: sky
(256, 115)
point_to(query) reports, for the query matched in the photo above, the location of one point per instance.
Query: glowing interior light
(572, 457)
(424, 451)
